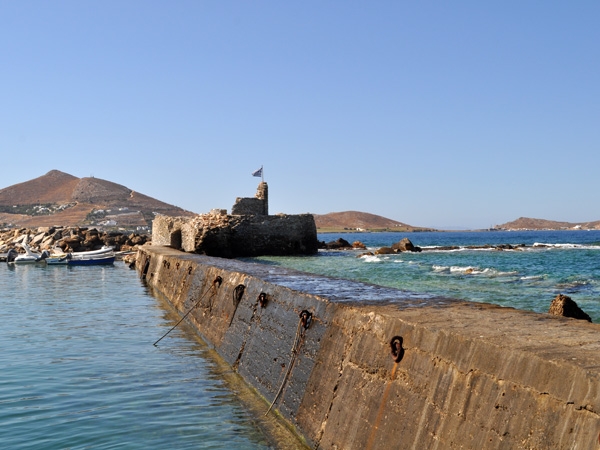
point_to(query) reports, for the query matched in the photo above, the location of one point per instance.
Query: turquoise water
(79, 371)
(527, 279)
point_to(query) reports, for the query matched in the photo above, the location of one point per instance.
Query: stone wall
(220, 234)
(465, 375)
(257, 205)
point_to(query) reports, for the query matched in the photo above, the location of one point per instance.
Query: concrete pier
(380, 368)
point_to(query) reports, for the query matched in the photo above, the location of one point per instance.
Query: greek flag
(257, 173)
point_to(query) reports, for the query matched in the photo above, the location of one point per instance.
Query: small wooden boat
(94, 257)
(97, 260)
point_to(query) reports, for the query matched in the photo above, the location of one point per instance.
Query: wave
(576, 285)
(373, 258)
(470, 270)
(506, 247)
(566, 246)
(533, 277)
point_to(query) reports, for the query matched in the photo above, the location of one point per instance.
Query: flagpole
(262, 174)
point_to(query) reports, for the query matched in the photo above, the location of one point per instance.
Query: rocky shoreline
(405, 245)
(69, 239)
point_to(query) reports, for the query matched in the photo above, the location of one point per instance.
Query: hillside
(58, 198)
(353, 220)
(527, 223)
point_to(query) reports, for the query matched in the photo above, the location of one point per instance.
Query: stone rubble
(69, 239)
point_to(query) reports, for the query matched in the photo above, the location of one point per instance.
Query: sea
(529, 278)
(78, 368)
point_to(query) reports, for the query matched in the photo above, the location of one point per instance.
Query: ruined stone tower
(253, 206)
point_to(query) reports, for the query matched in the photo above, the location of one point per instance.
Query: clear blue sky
(430, 113)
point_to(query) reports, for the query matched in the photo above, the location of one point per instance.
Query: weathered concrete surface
(234, 235)
(471, 375)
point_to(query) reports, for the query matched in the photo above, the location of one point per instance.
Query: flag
(257, 173)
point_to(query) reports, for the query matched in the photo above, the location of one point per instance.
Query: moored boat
(105, 255)
(108, 258)
(29, 257)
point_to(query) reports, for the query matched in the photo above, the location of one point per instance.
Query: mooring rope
(190, 310)
(303, 324)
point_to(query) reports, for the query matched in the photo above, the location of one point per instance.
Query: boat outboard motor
(45, 254)
(11, 255)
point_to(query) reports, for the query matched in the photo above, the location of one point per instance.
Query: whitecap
(566, 246)
(463, 269)
(499, 273)
(371, 258)
(533, 277)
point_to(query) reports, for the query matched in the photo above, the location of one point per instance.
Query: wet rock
(405, 246)
(365, 254)
(338, 245)
(358, 244)
(563, 306)
(443, 248)
(385, 251)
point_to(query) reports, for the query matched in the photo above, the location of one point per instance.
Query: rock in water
(405, 246)
(338, 245)
(562, 305)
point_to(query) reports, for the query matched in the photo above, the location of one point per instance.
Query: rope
(303, 324)
(186, 314)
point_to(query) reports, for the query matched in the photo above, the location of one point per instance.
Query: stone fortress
(248, 231)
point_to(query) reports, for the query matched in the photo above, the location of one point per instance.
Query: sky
(436, 114)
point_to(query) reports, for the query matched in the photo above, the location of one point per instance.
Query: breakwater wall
(381, 368)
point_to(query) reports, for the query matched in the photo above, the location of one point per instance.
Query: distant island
(61, 199)
(353, 221)
(526, 223)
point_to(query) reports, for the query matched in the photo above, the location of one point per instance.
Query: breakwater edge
(383, 368)
(524, 270)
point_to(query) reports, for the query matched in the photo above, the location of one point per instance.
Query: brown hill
(353, 220)
(58, 198)
(527, 223)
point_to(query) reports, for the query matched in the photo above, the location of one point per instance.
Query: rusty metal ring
(306, 318)
(396, 348)
(262, 299)
(238, 293)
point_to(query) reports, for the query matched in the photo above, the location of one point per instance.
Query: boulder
(38, 238)
(338, 245)
(385, 251)
(358, 244)
(405, 246)
(73, 240)
(563, 306)
(138, 240)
